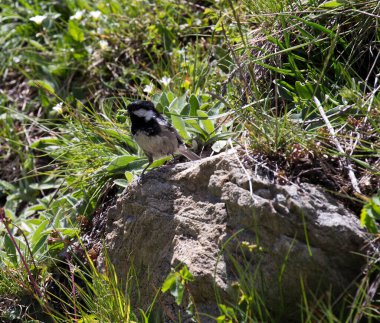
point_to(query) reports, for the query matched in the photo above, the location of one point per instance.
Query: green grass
(248, 71)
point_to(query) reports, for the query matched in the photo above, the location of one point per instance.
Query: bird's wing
(164, 123)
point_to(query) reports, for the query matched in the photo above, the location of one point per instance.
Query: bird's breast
(164, 144)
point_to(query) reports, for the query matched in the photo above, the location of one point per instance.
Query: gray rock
(220, 220)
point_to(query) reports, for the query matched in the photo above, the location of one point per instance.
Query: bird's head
(142, 109)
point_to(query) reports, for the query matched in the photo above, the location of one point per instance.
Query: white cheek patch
(149, 115)
(142, 113)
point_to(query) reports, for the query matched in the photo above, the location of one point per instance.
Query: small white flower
(197, 22)
(78, 15)
(95, 14)
(165, 81)
(38, 19)
(148, 88)
(58, 108)
(89, 49)
(104, 45)
(181, 52)
(183, 26)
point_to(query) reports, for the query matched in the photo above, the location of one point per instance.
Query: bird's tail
(188, 153)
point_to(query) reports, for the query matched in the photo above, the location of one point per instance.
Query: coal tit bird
(154, 134)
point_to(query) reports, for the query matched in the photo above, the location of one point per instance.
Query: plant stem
(5, 221)
(345, 161)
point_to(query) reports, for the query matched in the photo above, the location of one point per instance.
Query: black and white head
(142, 109)
(145, 118)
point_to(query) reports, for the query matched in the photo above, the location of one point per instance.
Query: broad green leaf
(194, 125)
(33, 209)
(136, 164)
(228, 312)
(182, 102)
(367, 220)
(185, 111)
(37, 221)
(221, 319)
(6, 186)
(304, 90)
(179, 124)
(115, 7)
(160, 162)
(70, 232)
(171, 96)
(164, 101)
(223, 308)
(56, 246)
(177, 104)
(174, 106)
(169, 282)
(75, 31)
(207, 124)
(120, 162)
(4, 258)
(370, 213)
(38, 232)
(185, 273)
(215, 110)
(129, 176)
(331, 4)
(121, 182)
(177, 292)
(194, 105)
(10, 249)
(39, 244)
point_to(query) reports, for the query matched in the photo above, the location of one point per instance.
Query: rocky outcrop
(229, 225)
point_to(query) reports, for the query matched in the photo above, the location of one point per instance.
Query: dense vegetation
(294, 84)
